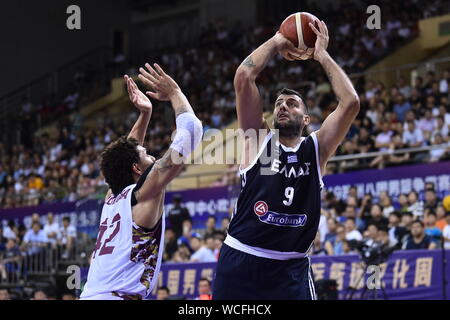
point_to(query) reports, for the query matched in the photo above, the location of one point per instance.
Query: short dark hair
(288, 91)
(66, 218)
(407, 213)
(116, 162)
(165, 289)
(396, 213)
(205, 279)
(419, 222)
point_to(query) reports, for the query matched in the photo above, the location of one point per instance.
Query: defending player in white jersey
(127, 256)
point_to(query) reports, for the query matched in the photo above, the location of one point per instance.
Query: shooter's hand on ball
(320, 49)
(139, 99)
(286, 48)
(163, 86)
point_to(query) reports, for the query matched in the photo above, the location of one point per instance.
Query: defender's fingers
(159, 69)
(152, 71)
(148, 75)
(147, 82)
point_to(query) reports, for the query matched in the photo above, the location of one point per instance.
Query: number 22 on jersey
(103, 246)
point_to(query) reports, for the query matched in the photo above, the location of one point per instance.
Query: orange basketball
(296, 28)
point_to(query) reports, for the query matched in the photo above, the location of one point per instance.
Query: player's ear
(136, 168)
(306, 119)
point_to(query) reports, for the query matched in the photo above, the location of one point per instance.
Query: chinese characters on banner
(408, 275)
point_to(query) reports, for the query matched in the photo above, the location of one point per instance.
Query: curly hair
(116, 162)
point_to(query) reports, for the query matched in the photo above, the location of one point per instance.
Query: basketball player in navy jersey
(277, 213)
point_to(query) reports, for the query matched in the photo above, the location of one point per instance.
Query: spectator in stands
(317, 248)
(332, 225)
(340, 245)
(51, 229)
(386, 204)
(415, 205)
(377, 217)
(4, 294)
(401, 106)
(9, 259)
(224, 224)
(10, 231)
(350, 212)
(187, 234)
(446, 232)
(39, 294)
(68, 296)
(162, 293)
(204, 289)
(333, 204)
(170, 244)
(177, 215)
(440, 216)
(366, 205)
(210, 227)
(407, 220)
(351, 233)
(371, 235)
(412, 136)
(182, 254)
(431, 199)
(203, 250)
(431, 230)
(219, 238)
(35, 239)
(438, 154)
(66, 237)
(403, 202)
(427, 123)
(396, 232)
(418, 238)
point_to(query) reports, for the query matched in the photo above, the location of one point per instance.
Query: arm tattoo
(164, 163)
(248, 62)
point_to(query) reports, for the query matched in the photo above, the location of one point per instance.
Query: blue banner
(395, 181)
(85, 214)
(407, 275)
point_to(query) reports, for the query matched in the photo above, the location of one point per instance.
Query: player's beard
(291, 128)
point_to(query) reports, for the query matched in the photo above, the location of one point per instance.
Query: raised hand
(322, 39)
(163, 86)
(286, 48)
(139, 99)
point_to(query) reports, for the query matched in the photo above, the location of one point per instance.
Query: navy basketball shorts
(241, 276)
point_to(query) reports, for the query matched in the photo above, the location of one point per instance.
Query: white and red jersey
(126, 259)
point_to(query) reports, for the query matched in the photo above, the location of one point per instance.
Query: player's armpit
(335, 128)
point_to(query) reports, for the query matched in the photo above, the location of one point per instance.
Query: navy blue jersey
(279, 205)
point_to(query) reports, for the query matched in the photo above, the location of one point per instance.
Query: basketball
(296, 28)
